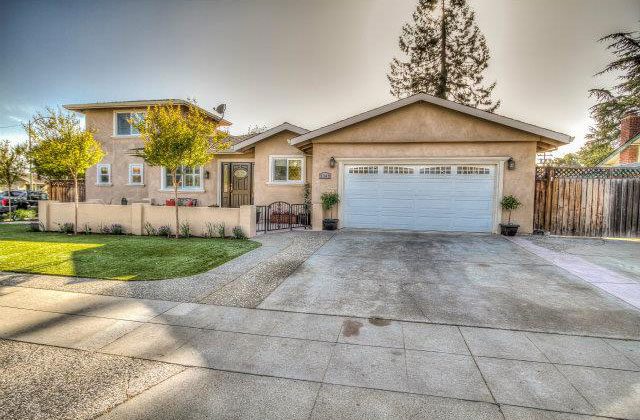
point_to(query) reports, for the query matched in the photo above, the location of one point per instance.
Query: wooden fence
(63, 190)
(588, 201)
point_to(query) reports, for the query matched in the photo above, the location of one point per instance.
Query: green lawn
(113, 257)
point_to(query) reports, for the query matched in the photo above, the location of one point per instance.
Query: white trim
(115, 123)
(423, 97)
(164, 188)
(302, 169)
(266, 134)
(98, 167)
(129, 178)
(499, 163)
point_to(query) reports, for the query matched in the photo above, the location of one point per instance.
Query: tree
(446, 56)
(570, 159)
(12, 165)
(173, 138)
(62, 149)
(613, 103)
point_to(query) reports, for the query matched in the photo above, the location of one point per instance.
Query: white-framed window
(136, 174)
(364, 170)
(286, 169)
(473, 170)
(189, 177)
(398, 170)
(122, 126)
(103, 174)
(436, 170)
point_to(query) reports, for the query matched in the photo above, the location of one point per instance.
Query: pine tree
(446, 56)
(615, 102)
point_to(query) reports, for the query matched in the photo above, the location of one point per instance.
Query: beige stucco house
(420, 163)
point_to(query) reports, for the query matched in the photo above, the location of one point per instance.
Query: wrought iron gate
(281, 215)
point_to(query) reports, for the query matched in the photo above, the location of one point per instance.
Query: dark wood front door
(237, 184)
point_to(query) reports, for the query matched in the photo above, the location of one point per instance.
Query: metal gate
(281, 215)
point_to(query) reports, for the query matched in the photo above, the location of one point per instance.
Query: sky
(307, 62)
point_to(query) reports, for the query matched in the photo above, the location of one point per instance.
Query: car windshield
(13, 193)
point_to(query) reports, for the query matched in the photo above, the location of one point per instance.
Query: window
(104, 174)
(363, 170)
(436, 170)
(399, 170)
(189, 178)
(122, 125)
(136, 173)
(473, 170)
(287, 169)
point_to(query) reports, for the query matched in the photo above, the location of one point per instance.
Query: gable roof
(423, 97)
(248, 142)
(142, 104)
(620, 149)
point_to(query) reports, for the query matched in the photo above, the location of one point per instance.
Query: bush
(105, 229)
(329, 199)
(238, 233)
(510, 203)
(150, 230)
(164, 231)
(185, 229)
(87, 230)
(221, 230)
(117, 229)
(65, 227)
(210, 230)
(22, 214)
(36, 227)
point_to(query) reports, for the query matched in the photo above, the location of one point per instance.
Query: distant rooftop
(141, 104)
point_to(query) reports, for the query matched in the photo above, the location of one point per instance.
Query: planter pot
(509, 229)
(330, 224)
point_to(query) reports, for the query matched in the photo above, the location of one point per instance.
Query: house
(419, 163)
(627, 153)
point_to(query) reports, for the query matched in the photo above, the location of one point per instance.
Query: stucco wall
(265, 193)
(426, 131)
(133, 217)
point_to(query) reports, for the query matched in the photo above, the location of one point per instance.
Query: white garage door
(456, 198)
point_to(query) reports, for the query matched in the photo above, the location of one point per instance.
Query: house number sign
(325, 175)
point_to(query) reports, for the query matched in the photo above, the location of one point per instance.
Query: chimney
(629, 128)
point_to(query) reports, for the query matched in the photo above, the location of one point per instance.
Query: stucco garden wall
(134, 217)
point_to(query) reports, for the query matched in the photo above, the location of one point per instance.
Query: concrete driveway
(352, 325)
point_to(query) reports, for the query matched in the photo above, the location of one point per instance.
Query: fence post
(43, 213)
(247, 220)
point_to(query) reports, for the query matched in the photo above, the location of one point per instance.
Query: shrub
(238, 233)
(22, 214)
(164, 230)
(150, 230)
(105, 229)
(36, 227)
(221, 230)
(510, 203)
(210, 230)
(65, 227)
(117, 229)
(185, 229)
(87, 229)
(329, 199)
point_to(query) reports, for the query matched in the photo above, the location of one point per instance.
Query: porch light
(332, 162)
(511, 164)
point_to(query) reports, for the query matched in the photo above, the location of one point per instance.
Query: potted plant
(509, 203)
(329, 199)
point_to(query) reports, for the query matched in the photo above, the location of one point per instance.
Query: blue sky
(302, 61)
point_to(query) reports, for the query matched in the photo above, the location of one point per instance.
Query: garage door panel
(449, 198)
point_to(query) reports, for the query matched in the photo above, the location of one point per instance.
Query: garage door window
(363, 170)
(436, 170)
(473, 170)
(398, 170)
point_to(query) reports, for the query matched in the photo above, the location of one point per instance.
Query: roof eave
(251, 141)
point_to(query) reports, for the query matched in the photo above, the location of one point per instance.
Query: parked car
(18, 200)
(34, 196)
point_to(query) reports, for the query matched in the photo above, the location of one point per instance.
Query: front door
(237, 184)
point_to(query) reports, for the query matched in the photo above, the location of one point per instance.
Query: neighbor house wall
(427, 131)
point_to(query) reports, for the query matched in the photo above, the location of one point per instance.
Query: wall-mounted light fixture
(511, 164)
(206, 175)
(332, 162)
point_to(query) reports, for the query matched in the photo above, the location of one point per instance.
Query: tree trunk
(9, 199)
(75, 202)
(442, 85)
(175, 198)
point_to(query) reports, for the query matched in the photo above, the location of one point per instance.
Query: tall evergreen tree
(613, 103)
(446, 55)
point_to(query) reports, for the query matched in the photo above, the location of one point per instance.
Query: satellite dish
(221, 108)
